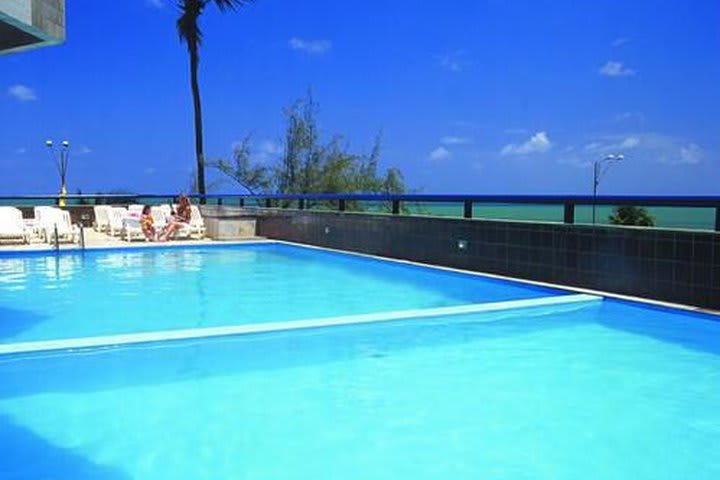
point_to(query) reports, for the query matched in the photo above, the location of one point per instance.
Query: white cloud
(592, 146)
(440, 153)
(616, 69)
(269, 149)
(538, 143)
(20, 150)
(515, 131)
(314, 47)
(690, 154)
(262, 151)
(646, 147)
(155, 3)
(620, 41)
(452, 140)
(612, 144)
(629, 142)
(629, 116)
(467, 124)
(22, 93)
(150, 170)
(84, 150)
(454, 61)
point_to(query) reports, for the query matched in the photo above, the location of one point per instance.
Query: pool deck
(95, 239)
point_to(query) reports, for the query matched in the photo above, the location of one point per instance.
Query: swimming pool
(561, 389)
(112, 292)
(601, 390)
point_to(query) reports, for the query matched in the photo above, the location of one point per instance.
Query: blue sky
(473, 96)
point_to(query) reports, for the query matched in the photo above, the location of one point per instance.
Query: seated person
(180, 218)
(147, 223)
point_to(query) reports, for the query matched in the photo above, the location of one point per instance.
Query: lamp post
(599, 168)
(61, 163)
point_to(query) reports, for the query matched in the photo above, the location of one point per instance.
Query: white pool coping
(255, 328)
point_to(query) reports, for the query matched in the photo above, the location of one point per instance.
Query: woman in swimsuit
(180, 218)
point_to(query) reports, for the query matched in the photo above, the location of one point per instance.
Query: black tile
(682, 272)
(702, 275)
(647, 248)
(665, 249)
(702, 252)
(585, 243)
(683, 250)
(664, 271)
(631, 246)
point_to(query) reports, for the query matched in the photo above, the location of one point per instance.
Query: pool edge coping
(107, 341)
(138, 246)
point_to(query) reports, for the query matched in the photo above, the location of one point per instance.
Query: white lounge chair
(197, 224)
(12, 226)
(102, 218)
(136, 208)
(132, 229)
(116, 216)
(160, 216)
(43, 215)
(52, 220)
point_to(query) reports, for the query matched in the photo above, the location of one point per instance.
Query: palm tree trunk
(199, 155)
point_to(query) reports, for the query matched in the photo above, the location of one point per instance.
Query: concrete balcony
(28, 24)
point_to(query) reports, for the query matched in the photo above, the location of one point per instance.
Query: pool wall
(672, 266)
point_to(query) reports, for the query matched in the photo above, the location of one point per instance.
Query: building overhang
(28, 24)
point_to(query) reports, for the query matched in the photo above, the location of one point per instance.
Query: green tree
(309, 166)
(631, 215)
(190, 33)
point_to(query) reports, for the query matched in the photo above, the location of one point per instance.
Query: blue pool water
(98, 293)
(607, 390)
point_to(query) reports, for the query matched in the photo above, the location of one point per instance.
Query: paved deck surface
(95, 239)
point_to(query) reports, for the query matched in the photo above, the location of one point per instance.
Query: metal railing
(471, 205)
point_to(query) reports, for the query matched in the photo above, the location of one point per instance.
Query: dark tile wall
(673, 266)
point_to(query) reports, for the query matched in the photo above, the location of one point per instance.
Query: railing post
(717, 218)
(396, 207)
(57, 239)
(569, 214)
(241, 202)
(220, 201)
(301, 204)
(82, 236)
(468, 209)
(342, 205)
(268, 203)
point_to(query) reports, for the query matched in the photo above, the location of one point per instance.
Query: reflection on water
(105, 293)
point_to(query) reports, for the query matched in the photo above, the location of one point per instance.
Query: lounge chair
(102, 218)
(53, 220)
(116, 216)
(197, 224)
(132, 229)
(136, 209)
(160, 216)
(43, 216)
(12, 226)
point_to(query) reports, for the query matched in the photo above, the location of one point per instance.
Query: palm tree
(190, 33)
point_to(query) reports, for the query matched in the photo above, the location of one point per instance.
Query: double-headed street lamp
(60, 157)
(599, 169)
